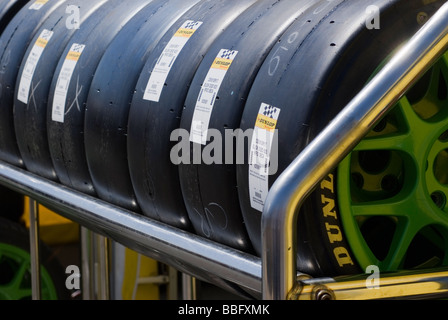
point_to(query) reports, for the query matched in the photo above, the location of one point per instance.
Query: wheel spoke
(20, 274)
(437, 71)
(16, 283)
(365, 255)
(412, 119)
(435, 238)
(440, 145)
(403, 139)
(397, 181)
(408, 221)
(439, 78)
(401, 242)
(387, 208)
(395, 142)
(22, 293)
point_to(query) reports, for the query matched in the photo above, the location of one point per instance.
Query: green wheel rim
(15, 276)
(393, 187)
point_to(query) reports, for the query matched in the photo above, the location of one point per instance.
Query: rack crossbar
(182, 250)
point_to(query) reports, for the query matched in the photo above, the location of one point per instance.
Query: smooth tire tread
(14, 41)
(8, 9)
(214, 104)
(33, 85)
(155, 177)
(110, 97)
(70, 87)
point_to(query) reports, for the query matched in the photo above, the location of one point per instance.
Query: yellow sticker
(41, 42)
(73, 55)
(31, 64)
(266, 123)
(222, 64)
(224, 59)
(38, 4)
(188, 29)
(185, 33)
(75, 52)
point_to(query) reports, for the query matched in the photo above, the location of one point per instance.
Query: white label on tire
(207, 95)
(31, 64)
(260, 154)
(37, 4)
(65, 76)
(166, 60)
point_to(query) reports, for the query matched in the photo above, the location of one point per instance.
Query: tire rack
(274, 275)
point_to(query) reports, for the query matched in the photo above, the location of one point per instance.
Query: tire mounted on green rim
(396, 216)
(409, 165)
(15, 267)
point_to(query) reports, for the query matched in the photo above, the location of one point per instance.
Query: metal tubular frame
(34, 249)
(175, 247)
(333, 144)
(274, 275)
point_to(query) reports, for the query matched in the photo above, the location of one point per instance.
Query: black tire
(14, 41)
(153, 119)
(14, 239)
(110, 97)
(33, 86)
(8, 10)
(66, 113)
(349, 53)
(210, 189)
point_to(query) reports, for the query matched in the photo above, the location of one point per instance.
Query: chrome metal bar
(173, 288)
(189, 291)
(102, 275)
(182, 250)
(325, 152)
(34, 250)
(86, 264)
(427, 284)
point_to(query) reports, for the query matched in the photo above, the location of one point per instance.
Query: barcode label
(260, 155)
(166, 60)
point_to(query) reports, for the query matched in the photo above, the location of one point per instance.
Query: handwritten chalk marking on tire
(38, 4)
(30, 65)
(60, 94)
(207, 95)
(260, 154)
(167, 58)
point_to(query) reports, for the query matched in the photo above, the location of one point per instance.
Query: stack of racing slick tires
(187, 111)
